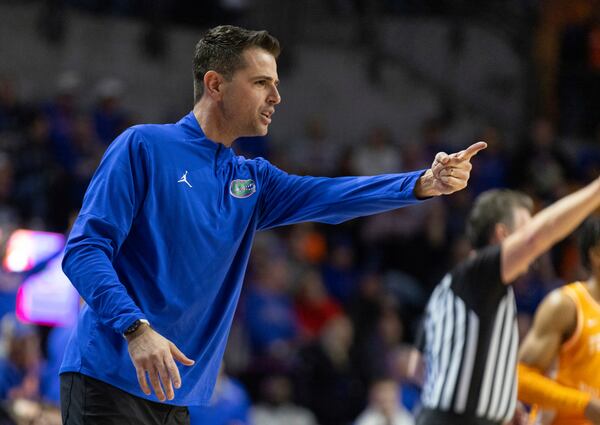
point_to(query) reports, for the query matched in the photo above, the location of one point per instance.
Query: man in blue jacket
(162, 241)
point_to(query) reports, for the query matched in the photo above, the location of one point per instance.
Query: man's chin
(256, 132)
(262, 131)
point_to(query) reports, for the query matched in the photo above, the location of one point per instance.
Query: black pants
(87, 401)
(436, 417)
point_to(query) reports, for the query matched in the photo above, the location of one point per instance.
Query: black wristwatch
(134, 326)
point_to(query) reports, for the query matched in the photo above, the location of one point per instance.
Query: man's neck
(212, 122)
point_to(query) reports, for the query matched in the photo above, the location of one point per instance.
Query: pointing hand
(448, 173)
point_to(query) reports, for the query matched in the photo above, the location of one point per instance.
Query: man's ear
(500, 232)
(213, 84)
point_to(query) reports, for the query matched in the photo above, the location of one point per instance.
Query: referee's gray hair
(493, 207)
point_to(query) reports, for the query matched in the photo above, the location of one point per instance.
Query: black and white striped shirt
(470, 342)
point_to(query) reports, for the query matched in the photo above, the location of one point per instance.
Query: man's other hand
(153, 354)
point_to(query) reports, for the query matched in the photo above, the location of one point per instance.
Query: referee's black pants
(87, 401)
(437, 417)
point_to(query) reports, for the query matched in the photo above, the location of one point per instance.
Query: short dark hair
(589, 237)
(493, 207)
(220, 49)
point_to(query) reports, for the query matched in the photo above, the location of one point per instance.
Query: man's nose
(274, 96)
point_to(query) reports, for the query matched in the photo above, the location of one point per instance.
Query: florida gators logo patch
(242, 188)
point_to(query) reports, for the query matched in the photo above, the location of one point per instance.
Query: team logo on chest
(242, 188)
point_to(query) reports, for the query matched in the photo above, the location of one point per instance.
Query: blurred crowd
(329, 315)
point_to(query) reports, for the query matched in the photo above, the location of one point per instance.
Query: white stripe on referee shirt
(446, 345)
(513, 400)
(429, 334)
(437, 317)
(464, 384)
(428, 359)
(433, 323)
(508, 395)
(457, 353)
(500, 381)
(490, 366)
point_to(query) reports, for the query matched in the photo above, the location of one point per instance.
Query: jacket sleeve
(287, 199)
(112, 200)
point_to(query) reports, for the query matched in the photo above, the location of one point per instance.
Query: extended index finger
(472, 150)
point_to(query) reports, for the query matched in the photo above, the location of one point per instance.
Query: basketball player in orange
(564, 342)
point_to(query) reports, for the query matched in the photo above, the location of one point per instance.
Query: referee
(470, 327)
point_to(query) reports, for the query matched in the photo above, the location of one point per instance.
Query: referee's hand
(153, 354)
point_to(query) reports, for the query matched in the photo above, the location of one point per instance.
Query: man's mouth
(267, 116)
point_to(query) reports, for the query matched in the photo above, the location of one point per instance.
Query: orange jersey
(579, 359)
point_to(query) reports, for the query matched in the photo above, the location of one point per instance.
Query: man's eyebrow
(266, 77)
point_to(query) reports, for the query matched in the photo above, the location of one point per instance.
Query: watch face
(133, 327)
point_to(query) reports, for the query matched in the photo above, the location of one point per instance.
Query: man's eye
(261, 82)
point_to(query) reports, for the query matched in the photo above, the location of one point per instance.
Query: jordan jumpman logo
(184, 179)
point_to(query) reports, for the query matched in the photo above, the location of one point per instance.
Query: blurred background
(329, 315)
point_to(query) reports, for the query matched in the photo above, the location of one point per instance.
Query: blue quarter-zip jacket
(165, 233)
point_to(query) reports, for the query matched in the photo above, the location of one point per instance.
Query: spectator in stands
(315, 153)
(339, 271)
(491, 171)
(384, 406)
(55, 349)
(270, 319)
(87, 150)
(110, 118)
(8, 211)
(365, 307)
(379, 347)
(62, 113)
(379, 155)
(328, 377)
(13, 113)
(37, 175)
(20, 368)
(229, 405)
(314, 307)
(541, 166)
(276, 406)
